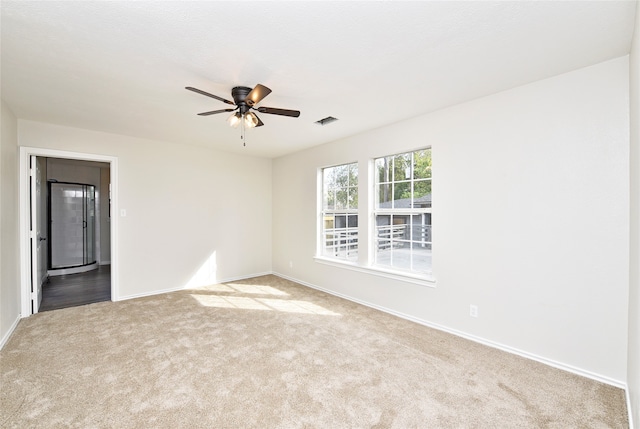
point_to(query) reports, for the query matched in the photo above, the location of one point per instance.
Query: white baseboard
(629, 409)
(235, 279)
(12, 328)
(160, 292)
(151, 293)
(508, 349)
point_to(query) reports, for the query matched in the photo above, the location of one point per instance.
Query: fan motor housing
(239, 94)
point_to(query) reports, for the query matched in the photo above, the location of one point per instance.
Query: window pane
(328, 235)
(383, 196)
(421, 228)
(402, 242)
(402, 195)
(328, 200)
(353, 174)
(328, 177)
(421, 260)
(383, 236)
(342, 199)
(402, 167)
(422, 194)
(327, 221)
(383, 220)
(352, 221)
(342, 241)
(383, 169)
(328, 196)
(353, 197)
(422, 164)
(421, 243)
(342, 175)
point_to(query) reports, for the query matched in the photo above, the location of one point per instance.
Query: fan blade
(199, 91)
(213, 112)
(260, 123)
(282, 112)
(257, 94)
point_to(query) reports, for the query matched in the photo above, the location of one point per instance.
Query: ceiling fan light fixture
(234, 120)
(245, 98)
(250, 120)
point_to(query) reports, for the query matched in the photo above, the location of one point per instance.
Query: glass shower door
(89, 224)
(72, 225)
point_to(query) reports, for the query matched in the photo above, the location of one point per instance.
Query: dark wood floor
(77, 289)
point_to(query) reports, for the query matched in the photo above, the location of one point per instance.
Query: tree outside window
(340, 212)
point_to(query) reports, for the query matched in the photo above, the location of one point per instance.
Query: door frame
(35, 214)
(25, 216)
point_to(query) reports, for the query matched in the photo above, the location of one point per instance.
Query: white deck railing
(399, 235)
(341, 242)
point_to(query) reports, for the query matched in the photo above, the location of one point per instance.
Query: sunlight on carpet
(256, 289)
(266, 352)
(243, 288)
(245, 303)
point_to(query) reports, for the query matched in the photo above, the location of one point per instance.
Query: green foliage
(340, 187)
(401, 169)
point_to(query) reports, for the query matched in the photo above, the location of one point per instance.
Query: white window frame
(367, 229)
(397, 234)
(345, 240)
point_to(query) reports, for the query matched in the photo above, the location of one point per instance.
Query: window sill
(423, 280)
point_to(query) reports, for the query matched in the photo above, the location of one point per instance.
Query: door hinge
(32, 172)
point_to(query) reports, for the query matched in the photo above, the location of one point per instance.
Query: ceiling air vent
(327, 120)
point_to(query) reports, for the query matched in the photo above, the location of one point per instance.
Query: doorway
(76, 220)
(83, 270)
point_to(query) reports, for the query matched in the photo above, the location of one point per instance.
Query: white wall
(76, 171)
(531, 219)
(9, 264)
(190, 211)
(633, 374)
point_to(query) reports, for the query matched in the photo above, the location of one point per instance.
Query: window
(340, 212)
(403, 211)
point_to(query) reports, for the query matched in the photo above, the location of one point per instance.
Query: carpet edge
(549, 362)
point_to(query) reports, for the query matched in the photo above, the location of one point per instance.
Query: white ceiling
(121, 67)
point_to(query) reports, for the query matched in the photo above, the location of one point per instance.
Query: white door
(36, 236)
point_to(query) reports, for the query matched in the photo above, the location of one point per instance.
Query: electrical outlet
(473, 310)
(290, 264)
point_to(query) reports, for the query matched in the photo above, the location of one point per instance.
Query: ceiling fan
(245, 100)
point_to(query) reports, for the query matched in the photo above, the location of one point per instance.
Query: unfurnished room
(369, 214)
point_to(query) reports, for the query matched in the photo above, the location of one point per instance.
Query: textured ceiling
(121, 67)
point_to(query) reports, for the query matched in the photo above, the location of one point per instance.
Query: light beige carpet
(268, 353)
